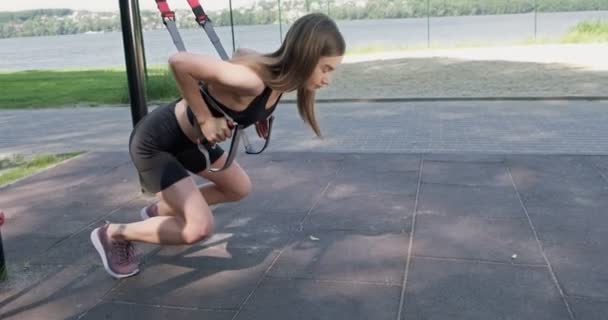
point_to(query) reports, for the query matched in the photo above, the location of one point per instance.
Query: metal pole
(280, 24)
(535, 20)
(3, 269)
(134, 60)
(428, 24)
(139, 36)
(232, 27)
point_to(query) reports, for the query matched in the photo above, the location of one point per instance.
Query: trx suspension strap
(169, 21)
(203, 20)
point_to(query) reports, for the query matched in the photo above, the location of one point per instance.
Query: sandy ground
(591, 56)
(515, 71)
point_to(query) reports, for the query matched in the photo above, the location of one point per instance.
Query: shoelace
(125, 251)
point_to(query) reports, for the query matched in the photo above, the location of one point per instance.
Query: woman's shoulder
(248, 62)
(243, 52)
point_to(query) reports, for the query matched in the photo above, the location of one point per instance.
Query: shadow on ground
(326, 236)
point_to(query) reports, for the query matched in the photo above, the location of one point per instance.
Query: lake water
(106, 49)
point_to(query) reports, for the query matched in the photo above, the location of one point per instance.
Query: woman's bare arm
(188, 69)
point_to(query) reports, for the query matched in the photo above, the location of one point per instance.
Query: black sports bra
(254, 112)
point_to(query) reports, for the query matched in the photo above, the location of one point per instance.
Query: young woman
(163, 145)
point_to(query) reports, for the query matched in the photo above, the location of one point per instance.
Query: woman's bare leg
(192, 220)
(229, 185)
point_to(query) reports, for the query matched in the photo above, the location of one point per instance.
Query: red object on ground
(1, 217)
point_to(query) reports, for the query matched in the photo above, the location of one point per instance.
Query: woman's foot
(118, 256)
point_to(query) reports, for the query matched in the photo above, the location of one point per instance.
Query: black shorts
(162, 153)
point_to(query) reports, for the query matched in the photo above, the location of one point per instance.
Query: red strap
(193, 3)
(164, 9)
(199, 13)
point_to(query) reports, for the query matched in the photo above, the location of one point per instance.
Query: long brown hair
(311, 37)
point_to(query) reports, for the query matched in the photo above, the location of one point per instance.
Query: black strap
(205, 22)
(177, 39)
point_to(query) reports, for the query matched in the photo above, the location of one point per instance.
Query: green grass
(587, 31)
(35, 89)
(17, 166)
(55, 88)
(160, 85)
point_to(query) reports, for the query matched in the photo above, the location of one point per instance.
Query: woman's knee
(239, 189)
(196, 232)
(234, 183)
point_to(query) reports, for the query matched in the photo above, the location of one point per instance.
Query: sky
(111, 5)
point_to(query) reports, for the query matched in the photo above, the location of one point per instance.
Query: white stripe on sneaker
(102, 253)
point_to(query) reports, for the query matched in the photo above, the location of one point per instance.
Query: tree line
(43, 22)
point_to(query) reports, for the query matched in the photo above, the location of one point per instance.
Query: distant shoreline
(54, 22)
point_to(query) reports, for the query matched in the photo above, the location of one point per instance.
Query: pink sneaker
(118, 256)
(149, 211)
